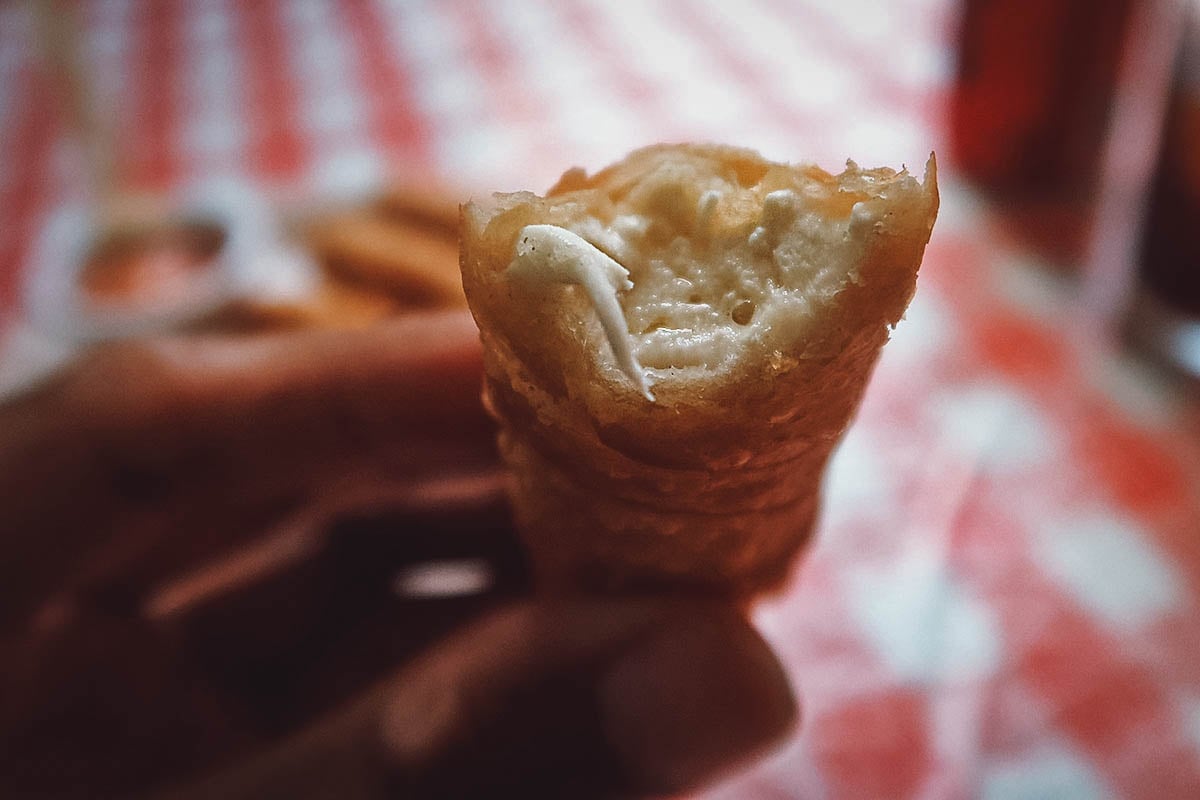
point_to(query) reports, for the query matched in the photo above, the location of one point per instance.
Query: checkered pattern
(1005, 598)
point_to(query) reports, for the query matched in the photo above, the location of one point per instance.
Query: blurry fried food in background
(387, 255)
(383, 256)
(331, 305)
(415, 264)
(147, 266)
(437, 210)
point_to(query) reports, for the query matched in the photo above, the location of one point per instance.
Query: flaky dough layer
(715, 483)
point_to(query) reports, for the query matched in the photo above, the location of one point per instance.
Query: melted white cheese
(548, 254)
(686, 277)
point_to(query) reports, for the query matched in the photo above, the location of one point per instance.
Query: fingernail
(694, 702)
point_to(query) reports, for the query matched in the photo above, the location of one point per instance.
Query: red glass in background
(1030, 109)
(1165, 315)
(1171, 251)
(1131, 155)
(1035, 80)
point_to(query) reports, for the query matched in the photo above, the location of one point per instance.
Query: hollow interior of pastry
(727, 261)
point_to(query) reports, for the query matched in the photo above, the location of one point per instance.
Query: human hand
(157, 644)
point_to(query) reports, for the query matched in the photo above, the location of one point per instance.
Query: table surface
(1004, 600)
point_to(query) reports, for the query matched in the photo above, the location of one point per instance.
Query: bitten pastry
(673, 347)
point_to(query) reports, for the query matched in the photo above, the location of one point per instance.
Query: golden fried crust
(716, 483)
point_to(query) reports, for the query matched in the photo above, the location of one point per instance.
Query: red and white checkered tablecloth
(1004, 601)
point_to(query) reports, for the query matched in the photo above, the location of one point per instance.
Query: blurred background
(1004, 596)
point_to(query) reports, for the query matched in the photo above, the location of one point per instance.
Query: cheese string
(548, 254)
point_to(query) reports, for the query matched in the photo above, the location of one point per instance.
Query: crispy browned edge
(714, 485)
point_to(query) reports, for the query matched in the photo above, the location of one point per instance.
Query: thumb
(582, 699)
(589, 699)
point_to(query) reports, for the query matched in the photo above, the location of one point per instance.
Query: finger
(422, 360)
(252, 647)
(596, 699)
(405, 374)
(295, 633)
(587, 699)
(184, 445)
(103, 707)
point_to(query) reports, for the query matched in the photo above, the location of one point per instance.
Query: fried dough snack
(411, 262)
(393, 255)
(677, 436)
